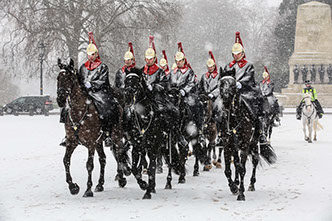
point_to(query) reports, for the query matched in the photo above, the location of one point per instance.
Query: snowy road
(33, 187)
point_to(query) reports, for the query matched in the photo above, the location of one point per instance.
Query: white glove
(150, 87)
(238, 85)
(182, 92)
(210, 96)
(87, 84)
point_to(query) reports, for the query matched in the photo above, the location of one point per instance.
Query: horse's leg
(183, 158)
(160, 161)
(119, 153)
(171, 141)
(228, 172)
(70, 147)
(304, 124)
(237, 165)
(255, 160)
(310, 132)
(135, 170)
(196, 167)
(208, 165)
(89, 167)
(218, 164)
(315, 130)
(242, 171)
(102, 162)
(151, 174)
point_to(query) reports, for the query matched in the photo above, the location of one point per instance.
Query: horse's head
(133, 87)
(65, 81)
(307, 99)
(227, 88)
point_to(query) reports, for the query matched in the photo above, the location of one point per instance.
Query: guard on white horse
(309, 118)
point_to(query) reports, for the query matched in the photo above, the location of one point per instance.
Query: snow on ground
(33, 187)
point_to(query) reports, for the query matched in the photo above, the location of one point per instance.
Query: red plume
(151, 45)
(266, 70)
(164, 54)
(180, 48)
(238, 38)
(268, 80)
(131, 49)
(92, 40)
(212, 57)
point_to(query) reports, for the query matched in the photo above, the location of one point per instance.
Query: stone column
(313, 38)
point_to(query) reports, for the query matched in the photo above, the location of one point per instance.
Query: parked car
(31, 104)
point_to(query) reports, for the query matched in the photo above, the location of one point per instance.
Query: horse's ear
(59, 63)
(71, 63)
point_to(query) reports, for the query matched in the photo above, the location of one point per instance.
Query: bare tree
(63, 26)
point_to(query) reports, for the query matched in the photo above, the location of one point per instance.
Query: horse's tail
(267, 153)
(318, 126)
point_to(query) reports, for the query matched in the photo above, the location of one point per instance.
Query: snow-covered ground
(33, 187)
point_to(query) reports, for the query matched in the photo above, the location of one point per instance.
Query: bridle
(132, 105)
(67, 92)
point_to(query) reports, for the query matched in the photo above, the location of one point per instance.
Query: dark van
(31, 104)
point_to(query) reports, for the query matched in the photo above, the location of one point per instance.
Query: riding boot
(319, 108)
(63, 142)
(299, 111)
(262, 137)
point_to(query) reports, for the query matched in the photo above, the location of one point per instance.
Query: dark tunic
(100, 91)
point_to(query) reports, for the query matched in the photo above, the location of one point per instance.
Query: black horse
(83, 127)
(240, 137)
(188, 130)
(146, 131)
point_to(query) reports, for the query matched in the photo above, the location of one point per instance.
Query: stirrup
(63, 142)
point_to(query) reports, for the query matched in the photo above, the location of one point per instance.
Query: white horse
(309, 118)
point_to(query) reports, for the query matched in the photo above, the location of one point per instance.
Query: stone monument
(313, 47)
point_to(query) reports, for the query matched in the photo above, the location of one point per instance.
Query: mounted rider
(209, 85)
(164, 64)
(129, 60)
(314, 100)
(93, 76)
(267, 88)
(246, 85)
(157, 83)
(183, 79)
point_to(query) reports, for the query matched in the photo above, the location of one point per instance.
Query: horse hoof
(153, 190)
(241, 197)
(234, 190)
(207, 167)
(147, 196)
(218, 165)
(196, 173)
(122, 182)
(88, 193)
(251, 188)
(116, 178)
(145, 171)
(168, 186)
(74, 188)
(214, 163)
(309, 141)
(182, 179)
(306, 139)
(99, 188)
(143, 185)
